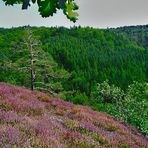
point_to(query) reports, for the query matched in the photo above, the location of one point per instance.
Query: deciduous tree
(47, 8)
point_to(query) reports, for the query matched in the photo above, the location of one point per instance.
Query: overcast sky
(94, 13)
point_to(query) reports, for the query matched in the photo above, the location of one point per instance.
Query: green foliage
(93, 55)
(27, 64)
(90, 55)
(130, 106)
(138, 34)
(47, 8)
(136, 106)
(78, 98)
(109, 93)
(108, 98)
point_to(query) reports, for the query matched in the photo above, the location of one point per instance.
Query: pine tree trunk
(32, 80)
(32, 68)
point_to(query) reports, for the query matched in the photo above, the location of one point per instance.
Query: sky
(93, 13)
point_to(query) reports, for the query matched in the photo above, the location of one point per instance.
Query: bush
(78, 98)
(136, 106)
(109, 93)
(130, 106)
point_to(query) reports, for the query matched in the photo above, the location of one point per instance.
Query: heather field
(34, 119)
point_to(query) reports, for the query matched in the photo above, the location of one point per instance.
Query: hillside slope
(90, 55)
(34, 119)
(136, 33)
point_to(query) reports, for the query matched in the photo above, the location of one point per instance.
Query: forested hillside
(94, 55)
(88, 66)
(91, 55)
(137, 33)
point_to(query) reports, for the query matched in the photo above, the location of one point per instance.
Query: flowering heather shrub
(10, 117)
(43, 97)
(74, 139)
(59, 102)
(34, 119)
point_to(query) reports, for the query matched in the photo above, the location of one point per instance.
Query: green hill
(90, 55)
(135, 33)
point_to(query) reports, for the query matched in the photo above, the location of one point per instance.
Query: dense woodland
(135, 33)
(106, 69)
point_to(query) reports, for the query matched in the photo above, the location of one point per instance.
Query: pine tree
(42, 70)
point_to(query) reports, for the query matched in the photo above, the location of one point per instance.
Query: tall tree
(42, 68)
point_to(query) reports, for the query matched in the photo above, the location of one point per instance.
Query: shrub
(79, 98)
(135, 106)
(130, 106)
(109, 93)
